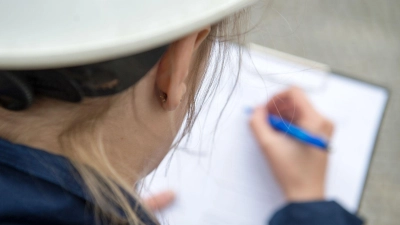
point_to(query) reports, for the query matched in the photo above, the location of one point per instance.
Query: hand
(159, 201)
(299, 168)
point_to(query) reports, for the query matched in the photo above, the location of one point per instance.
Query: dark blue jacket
(314, 213)
(41, 188)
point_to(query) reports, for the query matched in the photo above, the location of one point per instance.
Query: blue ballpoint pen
(296, 132)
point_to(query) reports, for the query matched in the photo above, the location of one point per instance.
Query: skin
(139, 124)
(299, 168)
(143, 126)
(148, 122)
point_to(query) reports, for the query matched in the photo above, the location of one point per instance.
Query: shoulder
(37, 187)
(28, 199)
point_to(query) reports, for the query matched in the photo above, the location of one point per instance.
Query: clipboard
(221, 177)
(327, 70)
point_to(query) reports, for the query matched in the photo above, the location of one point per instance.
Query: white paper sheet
(221, 177)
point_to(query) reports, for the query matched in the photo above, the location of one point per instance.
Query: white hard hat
(48, 33)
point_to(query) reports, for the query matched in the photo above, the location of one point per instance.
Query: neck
(29, 128)
(73, 131)
(120, 135)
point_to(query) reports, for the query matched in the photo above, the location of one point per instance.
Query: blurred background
(360, 38)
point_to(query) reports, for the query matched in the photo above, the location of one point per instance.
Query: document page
(220, 175)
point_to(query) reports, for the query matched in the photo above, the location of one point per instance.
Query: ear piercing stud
(163, 97)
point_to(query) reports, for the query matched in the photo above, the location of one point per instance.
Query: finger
(280, 101)
(160, 200)
(293, 105)
(263, 131)
(286, 110)
(275, 105)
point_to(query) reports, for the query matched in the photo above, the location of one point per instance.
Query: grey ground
(361, 38)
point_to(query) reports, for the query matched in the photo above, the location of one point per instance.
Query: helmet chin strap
(72, 84)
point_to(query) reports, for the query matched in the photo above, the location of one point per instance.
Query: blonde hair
(106, 187)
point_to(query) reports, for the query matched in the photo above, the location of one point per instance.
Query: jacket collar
(52, 168)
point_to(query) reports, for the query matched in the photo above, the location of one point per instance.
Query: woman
(93, 96)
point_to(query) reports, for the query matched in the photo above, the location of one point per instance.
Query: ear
(174, 67)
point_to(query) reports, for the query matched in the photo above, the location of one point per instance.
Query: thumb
(160, 200)
(262, 129)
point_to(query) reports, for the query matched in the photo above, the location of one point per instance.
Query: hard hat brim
(51, 34)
